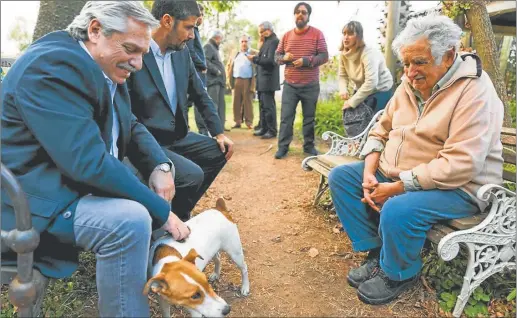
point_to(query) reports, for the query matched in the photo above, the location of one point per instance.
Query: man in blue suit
(159, 98)
(66, 125)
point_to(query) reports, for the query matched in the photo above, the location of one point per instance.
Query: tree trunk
(56, 15)
(486, 48)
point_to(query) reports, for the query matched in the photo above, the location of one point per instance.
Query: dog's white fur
(211, 231)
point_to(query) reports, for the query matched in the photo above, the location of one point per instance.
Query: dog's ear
(191, 256)
(220, 205)
(156, 284)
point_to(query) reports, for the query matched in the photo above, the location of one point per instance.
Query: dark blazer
(151, 105)
(197, 54)
(216, 72)
(56, 135)
(268, 74)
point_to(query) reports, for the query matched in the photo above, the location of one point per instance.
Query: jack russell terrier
(177, 268)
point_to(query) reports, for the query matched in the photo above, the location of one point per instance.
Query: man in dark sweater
(302, 50)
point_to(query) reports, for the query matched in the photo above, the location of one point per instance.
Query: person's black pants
(291, 95)
(198, 160)
(268, 112)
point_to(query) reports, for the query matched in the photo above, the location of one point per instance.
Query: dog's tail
(220, 205)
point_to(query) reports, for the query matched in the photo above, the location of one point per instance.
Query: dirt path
(271, 203)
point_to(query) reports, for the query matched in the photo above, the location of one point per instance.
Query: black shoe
(268, 135)
(259, 132)
(380, 290)
(236, 126)
(257, 127)
(311, 151)
(364, 272)
(281, 153)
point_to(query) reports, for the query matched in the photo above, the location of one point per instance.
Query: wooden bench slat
(438, 231)
(334, 161)
(508, 131)
(319, 167)
(509, 176)
(467, 223)
(509, 157)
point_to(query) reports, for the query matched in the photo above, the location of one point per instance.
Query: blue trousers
(401, 226)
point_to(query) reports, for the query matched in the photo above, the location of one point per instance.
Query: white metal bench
(489, 236)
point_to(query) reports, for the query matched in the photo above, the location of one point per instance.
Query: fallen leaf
(277, 239)
(313, 252)
(337, 228)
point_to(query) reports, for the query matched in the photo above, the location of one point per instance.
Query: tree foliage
(20, 33)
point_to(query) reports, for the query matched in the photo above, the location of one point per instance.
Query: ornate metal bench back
(23, 240)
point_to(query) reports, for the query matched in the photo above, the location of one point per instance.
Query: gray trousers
(291, 95)
(216, 92)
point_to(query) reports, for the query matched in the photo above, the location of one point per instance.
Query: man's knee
(396, 213)
(136, 220)
(345, 174)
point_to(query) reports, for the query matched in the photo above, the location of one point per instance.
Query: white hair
(216, 33)
(441, 32)
(266, 25)
(112, 15)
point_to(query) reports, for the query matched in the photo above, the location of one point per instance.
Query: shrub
(329, 117)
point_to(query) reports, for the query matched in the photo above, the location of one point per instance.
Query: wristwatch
(165, 167)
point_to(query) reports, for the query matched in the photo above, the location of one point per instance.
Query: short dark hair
(308, 6)
(179, 9)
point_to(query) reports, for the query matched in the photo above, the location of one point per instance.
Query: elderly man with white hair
(216, 76)
(435, 145)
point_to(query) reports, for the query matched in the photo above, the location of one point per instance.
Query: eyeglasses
(301, 11)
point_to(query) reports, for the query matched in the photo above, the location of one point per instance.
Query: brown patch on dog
(164, 250)
(174, 287)
(220, 205)
(191, 256)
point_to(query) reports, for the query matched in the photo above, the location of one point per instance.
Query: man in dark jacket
(159, 97)
(268, 80)
(216, 76)
(197, 54)
(66, 125)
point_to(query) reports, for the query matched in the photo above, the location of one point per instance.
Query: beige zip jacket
(455, 142)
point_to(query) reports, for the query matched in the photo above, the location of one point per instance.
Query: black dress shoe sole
(386, 300)
(267, 137)
(280, 157)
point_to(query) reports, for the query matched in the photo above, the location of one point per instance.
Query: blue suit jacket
(56, 135)
(151, 106)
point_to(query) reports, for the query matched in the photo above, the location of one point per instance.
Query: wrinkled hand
(162, 183)
(369, 185)
(250, 57)
(384, 191)
(223, 141)
(344, 96)
(298, 63)
(178, 229)
(288, 57)
(345, 106)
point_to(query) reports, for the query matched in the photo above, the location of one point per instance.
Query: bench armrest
(23, 240)
(352, 147)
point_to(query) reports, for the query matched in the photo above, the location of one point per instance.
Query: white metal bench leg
(491, 244)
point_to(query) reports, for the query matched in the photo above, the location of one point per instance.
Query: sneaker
(368, 267)
(281, 153)
(380, 289)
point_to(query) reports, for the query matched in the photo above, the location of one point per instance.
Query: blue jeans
(118, 231)
(401, 226)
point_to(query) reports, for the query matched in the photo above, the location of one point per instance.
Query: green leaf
(511, 296)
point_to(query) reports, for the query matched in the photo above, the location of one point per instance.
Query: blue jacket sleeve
(59, 105)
